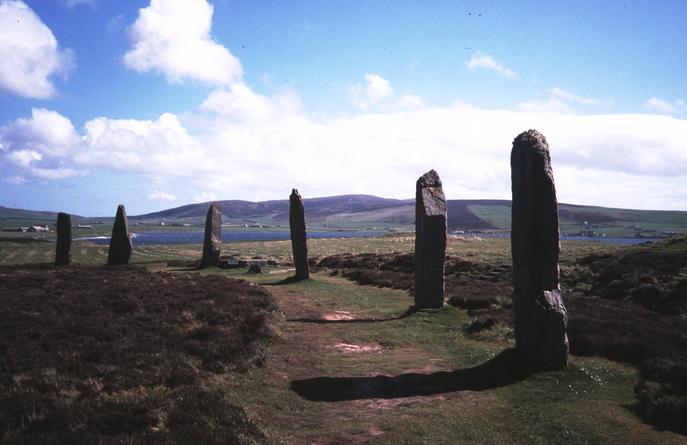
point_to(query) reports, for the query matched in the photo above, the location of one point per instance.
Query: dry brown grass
(122, 355)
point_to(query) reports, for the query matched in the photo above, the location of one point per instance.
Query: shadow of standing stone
(120, 243)
(212, 243)
(540, 315)
(63, 250)
(299, 241)
(430, 241)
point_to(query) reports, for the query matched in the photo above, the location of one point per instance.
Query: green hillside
(599, 220)
(367, 212)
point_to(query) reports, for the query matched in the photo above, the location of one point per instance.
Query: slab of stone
(430, 241)
(120, 243)
(63, 250)
(540, 315)
(299, 241)
(212, 243)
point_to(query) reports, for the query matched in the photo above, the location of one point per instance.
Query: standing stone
(430, 241)
(540, 315)
(120, 243)
(63, 251)
(299, 241)
(212, 244)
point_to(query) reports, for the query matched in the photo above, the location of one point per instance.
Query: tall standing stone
(540, 315)
(299, 241)
(63, 251)
(120, 243)
(212, 244)
(430, 241)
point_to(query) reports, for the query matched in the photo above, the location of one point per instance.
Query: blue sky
(160, 103)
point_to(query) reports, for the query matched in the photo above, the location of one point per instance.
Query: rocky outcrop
(540, 315)
(299, 241)
(63, 250)
(430, 241)
(212, 243)
(120, 243)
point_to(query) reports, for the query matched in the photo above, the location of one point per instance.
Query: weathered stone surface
(299, 241)
(212, 244)
(120, 243)
(430, 241)
(540, 315)
(63, 251)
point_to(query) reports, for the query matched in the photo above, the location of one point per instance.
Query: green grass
(486, 250)
(588, 403)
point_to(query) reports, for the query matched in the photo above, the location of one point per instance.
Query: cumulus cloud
(570, 97)
(161, 196)
(41, 146)
(551, 105)
(634, 160)
(154, 147)
(656, 105)
(240, 102)
(483, 60)
(558, 101)
(173, 37)
(378, 94)
(46, 132)
(30, 52)
(205, 197)
(49, 147)
(24, 158)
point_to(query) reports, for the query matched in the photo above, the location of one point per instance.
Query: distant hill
(463, 214)
(278, 210)
(357, 211)
(8, 213)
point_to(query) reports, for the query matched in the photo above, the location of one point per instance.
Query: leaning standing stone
(430, 241)
(540, 315)
(120, 243)
(212, 244)
(63, 251)
(299, 242)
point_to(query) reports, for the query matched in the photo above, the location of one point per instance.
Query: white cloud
(634, 160)
(205, 197)
(173, 37)
(378, 94)
(159, 147)
(558, 101)
(24, 157)
(656, 105)
(240, 102)
(53, 173)
(161, 196)
(570, 97)
(483, 60)
(30, 52)
(46, 132)
(550, 105)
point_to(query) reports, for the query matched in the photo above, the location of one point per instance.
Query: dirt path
(338, 377)
(351, 367)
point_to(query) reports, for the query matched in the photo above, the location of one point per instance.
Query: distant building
(84, 226)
